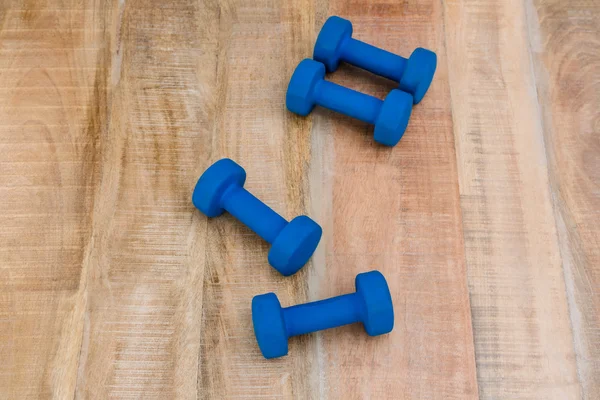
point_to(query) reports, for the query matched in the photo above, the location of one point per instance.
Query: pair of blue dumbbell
(308, 88)
(220, 189)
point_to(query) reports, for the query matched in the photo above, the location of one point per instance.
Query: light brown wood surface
(485, 219)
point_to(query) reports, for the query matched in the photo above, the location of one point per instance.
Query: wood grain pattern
(483, 219)
(398, 210)
(257, 41)
(53, 115)
(566, 46)
(141, 335)
(521, 325)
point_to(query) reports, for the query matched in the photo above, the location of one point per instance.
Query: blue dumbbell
(371, 304)
(335, 44)
(221, 188)
(308, 88)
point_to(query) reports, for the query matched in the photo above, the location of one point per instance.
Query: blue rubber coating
(419, 72)
(335, 44)
(220, 188)
(393, 118)
(294, 245)
(308, 88)
(371, 304)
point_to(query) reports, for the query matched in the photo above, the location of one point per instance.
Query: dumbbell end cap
(419, 72)
(214, 182)
(269, 325)
(328, 47)
(378, 317)
(393, 118)
(299, 97)
(294, 245)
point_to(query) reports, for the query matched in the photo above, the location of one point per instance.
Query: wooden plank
(259, 44)
(565, 41)
(50, 146)
(142, 328)
(396, 210)
(523, 339)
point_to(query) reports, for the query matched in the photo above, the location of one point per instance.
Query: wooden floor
(485, 219)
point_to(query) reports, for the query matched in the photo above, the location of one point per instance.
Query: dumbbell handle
(323, 314)
(373, 59)
(253, 213)
(347, 101)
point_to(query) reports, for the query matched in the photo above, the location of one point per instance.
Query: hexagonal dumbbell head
(299, 97)
(393, 118)
(214, 182)
(328, 47)
(269, 325)
(371, 304)
(379, 309)
(294, 245)
(418, 73)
